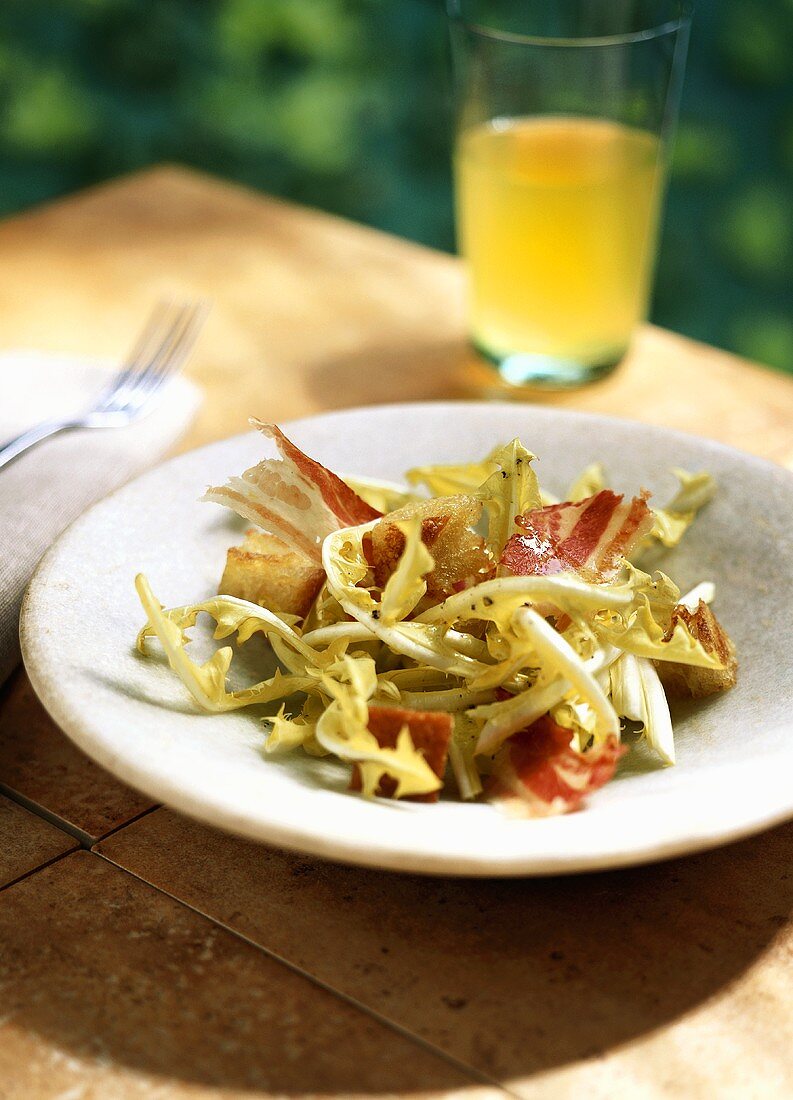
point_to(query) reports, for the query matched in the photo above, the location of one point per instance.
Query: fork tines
(161, 349)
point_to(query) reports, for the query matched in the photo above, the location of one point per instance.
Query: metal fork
(160, 350)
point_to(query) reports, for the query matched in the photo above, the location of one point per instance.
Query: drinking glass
(565, 113)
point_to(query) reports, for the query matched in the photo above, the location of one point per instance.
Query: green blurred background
(343, 104)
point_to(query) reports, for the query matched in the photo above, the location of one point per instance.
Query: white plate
(131, 714)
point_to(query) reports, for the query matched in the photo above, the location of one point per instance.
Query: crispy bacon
(294, 498)
(348, 508)
(590, 537)
(538, 774)
(430, 731)
(459, 553)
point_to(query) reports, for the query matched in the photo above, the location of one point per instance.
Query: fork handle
(20, 443)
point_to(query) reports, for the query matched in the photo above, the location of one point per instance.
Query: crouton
(431, 732)
(686, 681)
(459, 553)
(265, 571)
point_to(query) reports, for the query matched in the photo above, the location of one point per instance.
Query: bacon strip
(539, 774)
(589, 537)
(348, 508)
(295, 498)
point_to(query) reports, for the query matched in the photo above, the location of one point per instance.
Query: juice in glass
(557, 219)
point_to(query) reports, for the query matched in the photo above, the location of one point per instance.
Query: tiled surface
(112, 990)
(548, 985)
(26, 842)
(40, 763)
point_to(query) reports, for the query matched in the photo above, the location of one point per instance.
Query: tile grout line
(80, 835)
(84, 839)
(392, 1025)
(34, 871)
(123, 825)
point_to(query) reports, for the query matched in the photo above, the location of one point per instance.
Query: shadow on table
(111, 989)
(406, 370)
(38, 762)
(402, 370)
(511, 977)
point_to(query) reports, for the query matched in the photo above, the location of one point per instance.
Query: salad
(466, 629)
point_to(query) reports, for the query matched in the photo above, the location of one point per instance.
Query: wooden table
(144, 955)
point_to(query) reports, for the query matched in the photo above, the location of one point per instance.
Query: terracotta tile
(26, 842)
(533, 981)
(112, 989)
(39, 762)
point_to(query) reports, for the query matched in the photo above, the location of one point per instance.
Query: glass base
(547, 372)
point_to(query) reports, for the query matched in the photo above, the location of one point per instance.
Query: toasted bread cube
(459, 553)
(686, 681)
(431, 732)
(265, 571)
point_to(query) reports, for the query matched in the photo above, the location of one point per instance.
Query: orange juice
(557, 219)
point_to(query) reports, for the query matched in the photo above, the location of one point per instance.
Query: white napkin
(43, 490)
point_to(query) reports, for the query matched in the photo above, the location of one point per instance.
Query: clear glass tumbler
(565, 114)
